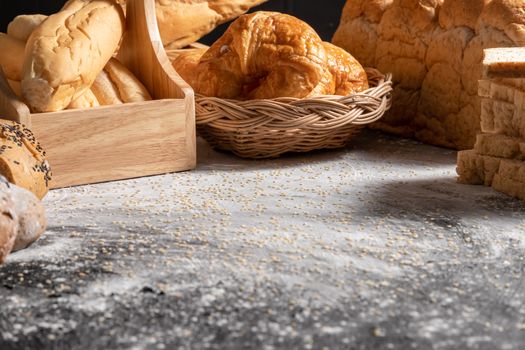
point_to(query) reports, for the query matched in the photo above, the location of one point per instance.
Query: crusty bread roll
(67, 51)
(87, 100)
(347, 73)
(185, 62)
(22, 218)
(8, 221)
(182, 22)
(116, 84)
(22, 26)
(269, 54)
(31, 217)
(22, 159)
(11, 57)
(434, 49)
(105, 90)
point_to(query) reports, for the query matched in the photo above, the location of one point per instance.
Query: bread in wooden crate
(120, 141)
(434, 50)
(65, 53)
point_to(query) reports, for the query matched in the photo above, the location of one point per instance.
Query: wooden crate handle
(11, 107)
(143, 53)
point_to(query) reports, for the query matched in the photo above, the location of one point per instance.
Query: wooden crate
(122, 141)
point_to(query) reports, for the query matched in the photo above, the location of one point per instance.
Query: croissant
(266, 55)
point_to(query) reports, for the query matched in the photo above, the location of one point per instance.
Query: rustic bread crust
(434, 50)
(67, 51)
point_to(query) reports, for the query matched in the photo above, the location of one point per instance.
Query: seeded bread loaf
(434, 48)
(68, 50)
(22, 159)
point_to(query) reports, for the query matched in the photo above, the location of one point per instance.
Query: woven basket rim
(249, 128)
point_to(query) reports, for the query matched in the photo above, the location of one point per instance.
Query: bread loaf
(434, 48)
(12, 56)
(22, 218)
(267, 55)
(87, 100)
(500, 146)
(8, 221)
(182, 22)
(22, 26)
(67, 51)
(504, 62)
(476, 169)
(22, 159)
(31, 217)
(116, 84)
(347, 73)
(498, 156)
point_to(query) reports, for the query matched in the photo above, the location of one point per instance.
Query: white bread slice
(475, 169)
(508, 62)
(500, 117)
(501, 146)
(509, 186)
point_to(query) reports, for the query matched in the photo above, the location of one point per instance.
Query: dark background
(324, 18)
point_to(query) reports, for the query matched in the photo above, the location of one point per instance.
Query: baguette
(22, 26)
(68, 50)
(116, 85)
(12, 55)
(87, 100)
(182, 22)
(105, 91)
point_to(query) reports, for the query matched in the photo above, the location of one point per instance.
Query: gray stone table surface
(371, 247)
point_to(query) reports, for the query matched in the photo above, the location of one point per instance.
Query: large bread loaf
(67, 51)
(182, 22)
(434, 48)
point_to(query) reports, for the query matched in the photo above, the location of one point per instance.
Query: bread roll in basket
(240, 79)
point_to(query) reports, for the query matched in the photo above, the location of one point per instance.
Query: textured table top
(370, 247)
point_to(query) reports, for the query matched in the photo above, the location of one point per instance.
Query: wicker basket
(269, 128)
